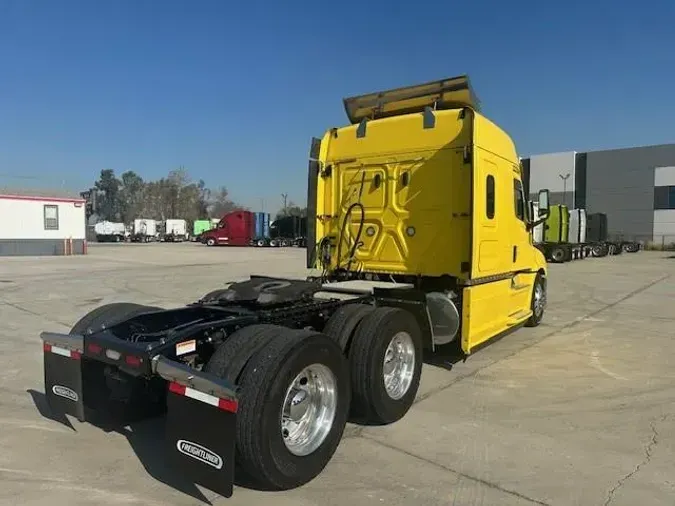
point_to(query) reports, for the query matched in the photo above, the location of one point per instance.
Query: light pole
(564, 179)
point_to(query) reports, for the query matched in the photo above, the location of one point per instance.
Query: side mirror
(543, 210)
(543, 201)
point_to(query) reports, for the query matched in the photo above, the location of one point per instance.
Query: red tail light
(94, 348)
(133, 360)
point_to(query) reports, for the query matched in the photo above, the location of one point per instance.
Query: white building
(41, 225)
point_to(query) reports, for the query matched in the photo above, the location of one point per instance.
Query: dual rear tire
(384, 347)
(299, 387)
(293, 401)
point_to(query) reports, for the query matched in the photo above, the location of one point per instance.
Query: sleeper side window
(490, 197)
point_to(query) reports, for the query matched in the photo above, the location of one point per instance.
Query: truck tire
(210, 241)
(230, 358)
(260, 243)
(300, 370)
(386, 364)
(538, 304)
(558, 254)
(108, 315)
(342, 324)
(600, 250)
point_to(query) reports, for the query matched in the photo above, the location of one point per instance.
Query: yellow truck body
(422, 184)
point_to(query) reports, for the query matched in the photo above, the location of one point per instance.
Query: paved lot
(580, 411)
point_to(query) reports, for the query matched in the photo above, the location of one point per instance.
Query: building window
(490, 197)
(519, 199)
(51, 215)
(664, 197)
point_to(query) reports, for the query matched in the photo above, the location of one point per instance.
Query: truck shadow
(146, 439)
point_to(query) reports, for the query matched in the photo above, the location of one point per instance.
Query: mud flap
(200, 425)
(63, 373)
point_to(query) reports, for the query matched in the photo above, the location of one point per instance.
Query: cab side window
(490, 197)
(518, 199)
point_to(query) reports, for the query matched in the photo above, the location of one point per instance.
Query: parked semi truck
(583, 233)
(240, 228)
(289, 231)
(175, 230)
(108, 231)
(570, 234)
(144, 230)
(199, 227)
(261, 230)
(431, 251)
(552, 236)
(233, 229)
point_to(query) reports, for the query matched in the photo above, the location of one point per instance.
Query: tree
(108, 195)
(132, 195)
(204, 198)
(291, 209)
(173, 196)
(221, 204)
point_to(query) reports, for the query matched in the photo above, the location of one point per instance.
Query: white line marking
(25, 424)
(595, 362)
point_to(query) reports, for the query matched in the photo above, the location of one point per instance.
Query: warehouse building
(634, 187)
(41, 223)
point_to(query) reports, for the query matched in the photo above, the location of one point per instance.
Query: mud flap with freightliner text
(201, 410)
(200, 425)
(63, 373)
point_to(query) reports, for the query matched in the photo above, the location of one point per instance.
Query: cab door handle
(515, 253)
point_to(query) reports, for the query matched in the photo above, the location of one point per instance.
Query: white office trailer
(32, 225)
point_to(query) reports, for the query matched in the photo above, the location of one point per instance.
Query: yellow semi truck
(419, 228)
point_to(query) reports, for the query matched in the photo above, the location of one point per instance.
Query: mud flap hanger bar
(176, 372)
(200, 425)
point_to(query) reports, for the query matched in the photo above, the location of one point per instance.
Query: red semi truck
(234, 229)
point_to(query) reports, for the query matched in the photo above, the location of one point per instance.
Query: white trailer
(109, 231)
(175, 230)
(33, 225)
(145, 230)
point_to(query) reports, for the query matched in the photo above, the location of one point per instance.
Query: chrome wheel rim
(539, 299)
(309, 409)
(399, 365)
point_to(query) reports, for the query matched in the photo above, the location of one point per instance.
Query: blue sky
(233, 91)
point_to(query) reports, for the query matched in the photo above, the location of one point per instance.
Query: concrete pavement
(579, 411)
